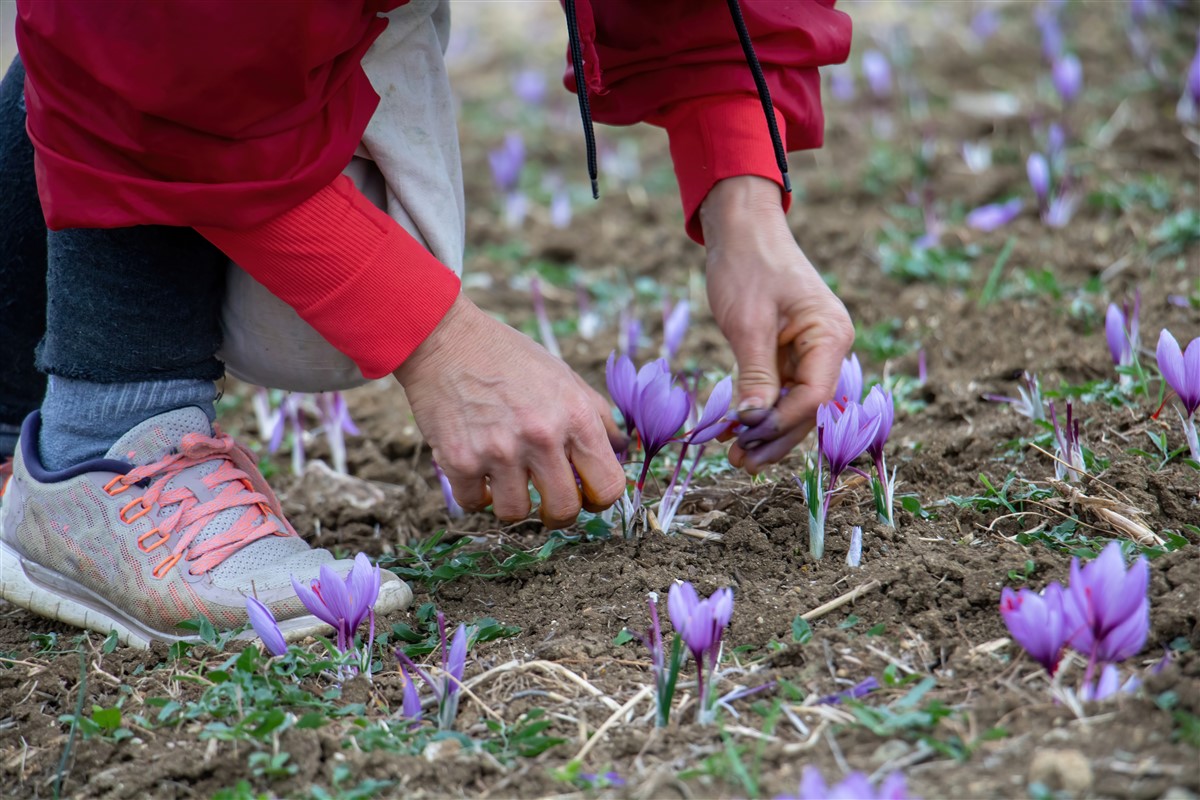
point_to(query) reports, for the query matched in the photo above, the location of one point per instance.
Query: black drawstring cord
(585, 109)
(764, 92)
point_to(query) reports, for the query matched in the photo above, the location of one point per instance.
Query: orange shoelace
(6, 470)
(190, 515)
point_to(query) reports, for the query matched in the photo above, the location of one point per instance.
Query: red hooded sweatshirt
(236, 117)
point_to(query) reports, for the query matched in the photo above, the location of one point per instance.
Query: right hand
(499, 411)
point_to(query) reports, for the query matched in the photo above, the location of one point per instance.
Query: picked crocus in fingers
(850, 382)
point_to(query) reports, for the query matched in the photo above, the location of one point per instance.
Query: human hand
(498, 411)
(786, 328)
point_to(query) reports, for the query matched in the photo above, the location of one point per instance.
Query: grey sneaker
(174, 523)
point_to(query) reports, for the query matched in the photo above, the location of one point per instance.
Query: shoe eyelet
(160, 571)
(110, 491)
(125, 510)
(159, 543)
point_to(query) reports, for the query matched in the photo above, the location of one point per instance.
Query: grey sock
(8, 440)
(82, 420)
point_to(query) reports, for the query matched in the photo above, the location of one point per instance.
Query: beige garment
(408, 164)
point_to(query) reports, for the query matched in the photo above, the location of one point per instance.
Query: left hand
(786, 328)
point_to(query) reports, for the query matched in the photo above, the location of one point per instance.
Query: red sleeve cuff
(361, 280)
(714, 138)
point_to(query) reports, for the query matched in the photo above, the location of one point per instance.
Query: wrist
(741, 204)
(442, 338)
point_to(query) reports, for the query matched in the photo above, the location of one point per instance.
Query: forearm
(362, 281)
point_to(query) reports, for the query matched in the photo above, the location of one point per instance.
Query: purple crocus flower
(411, 707)
(1056, 145)
(507, 161)
(1051, 31)
(1106, 608)
(855, 692)
(1038, 170)
(855, 786)
(529, 85)
(701, 624)
(850, 382)
(995, 215)
(1121, 331)
(878, 73)
(1037, 622)
(1067, 73)
(985, 23)
(841, 81)
(454, 659)
(1181, 370)
(845, 437)
(1068, 445)
(1108, 685)
(879, 404)
(661, 406)
(1029, 404)
(545, 328)
(621, 378)
(675, 325)
(266, 627)
(1061, 208)
(343, 603)
(560, 209)
(452, 507)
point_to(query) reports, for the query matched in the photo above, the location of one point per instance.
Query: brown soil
(934, 606)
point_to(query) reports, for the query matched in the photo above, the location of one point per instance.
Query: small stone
(1178, 793)
(442, 749)
(1062, 770)
(890, 751)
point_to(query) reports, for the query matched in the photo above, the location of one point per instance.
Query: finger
(775, 451)
(510, 493)
(561, 496)
(755, 346)
(600, 475)
(816, 379)
(472, 494)
(767, 430)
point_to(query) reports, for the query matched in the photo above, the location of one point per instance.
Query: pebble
(1065, 770)
(890, 751)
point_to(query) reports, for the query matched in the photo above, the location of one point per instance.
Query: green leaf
(801, 630)
(108, 719)
(624, 637)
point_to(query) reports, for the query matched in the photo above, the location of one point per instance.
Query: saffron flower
(411, 704)
(1067, 74)
(661, 407)
(266, 627)
(529, 85)
(1181, 371)
(700, 624)
(1029, 403)
(878, 73)
(344, 603)
(879, 404)
(1188, 108)
(1037, 623)
(675, 325)
(506, 162)
(336, 423)
(994, 215)
(855, 692)
(712, 423)
(1038, 170)
(1106, 608)
(856, 786)
(545, 329)
(1068, 446)
(452, 507)
(1121, 331)
(446, 687)
(1107, 685)
(560, 217)
(850, 382)
(666, 666)
(841, 437)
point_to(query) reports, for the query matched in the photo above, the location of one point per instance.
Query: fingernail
(749, 404)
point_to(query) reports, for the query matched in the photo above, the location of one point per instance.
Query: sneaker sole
(46, 593)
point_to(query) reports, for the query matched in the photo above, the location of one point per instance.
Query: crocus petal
(812, 784)
(1067, 74)
(879, 404)
(363, 586)
(265, 626)
(1170, 361)
(850, 382)
(722, 606)
(411, 707)
(456, 661)
(621, 378)
(313, 602)
(1127, 639)
(682, 601)
(1114, 332)
(878, 73)
(675, 328)
(1036, 622)
(1039, 176)
(893, 787)
(1191, 377)
(712, 421)
(335, 595)
(994, 215)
